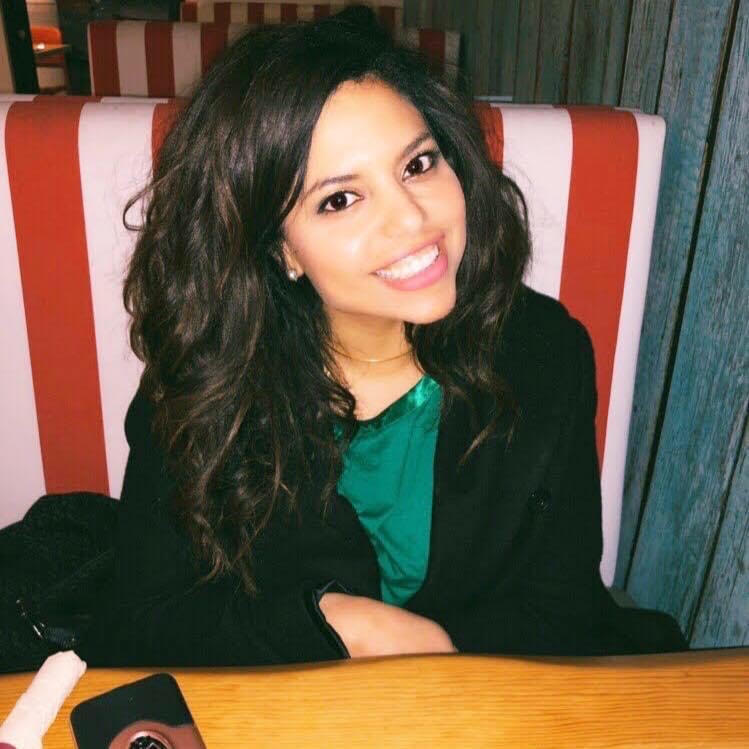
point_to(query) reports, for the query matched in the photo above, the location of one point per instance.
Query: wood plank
(693, 62)
(505, 18)
(480, 44)
(597, 46)
(451, 14)
(417, 13)
(426, 14)
(708, 396)
(553, 52)
(613, 73)
(410, 12)
(439, 13)
(685, 700)
(646, 50)
(587, 58)
(723, 614)
(471, 61)
(529, 23)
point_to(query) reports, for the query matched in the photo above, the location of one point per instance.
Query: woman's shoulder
(538, 320)
(542, 327)
(139, 419)
(543, 348)
(147, 481)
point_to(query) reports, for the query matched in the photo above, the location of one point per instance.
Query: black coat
(514, 550)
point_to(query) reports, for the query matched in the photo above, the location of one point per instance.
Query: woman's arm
(369, 627)
(157, 613)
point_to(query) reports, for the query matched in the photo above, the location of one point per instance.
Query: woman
(357, 432)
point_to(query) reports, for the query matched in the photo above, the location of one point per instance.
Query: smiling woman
(349, 396)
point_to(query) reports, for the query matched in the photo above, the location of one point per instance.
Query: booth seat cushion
(67, 167)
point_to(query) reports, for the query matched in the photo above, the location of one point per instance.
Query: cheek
(329, 254)
(455, 209)
(449, 194)
(458, 198)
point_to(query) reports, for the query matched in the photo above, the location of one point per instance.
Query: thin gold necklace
(372, 361)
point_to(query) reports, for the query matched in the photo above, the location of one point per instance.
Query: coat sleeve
(158, 614)
(560, 605)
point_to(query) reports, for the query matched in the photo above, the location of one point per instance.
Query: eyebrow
(417, 141)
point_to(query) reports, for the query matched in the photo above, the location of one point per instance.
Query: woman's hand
(368, 627)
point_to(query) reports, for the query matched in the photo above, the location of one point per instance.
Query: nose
(402, 211)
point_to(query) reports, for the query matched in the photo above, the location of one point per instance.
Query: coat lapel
(483, 512)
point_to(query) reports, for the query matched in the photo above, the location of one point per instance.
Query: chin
(430, 312)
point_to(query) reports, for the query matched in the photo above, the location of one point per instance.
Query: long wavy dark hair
(244, 406)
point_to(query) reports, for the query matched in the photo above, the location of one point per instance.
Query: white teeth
(410, 265)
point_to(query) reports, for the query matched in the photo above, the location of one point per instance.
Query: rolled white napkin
(38, 706)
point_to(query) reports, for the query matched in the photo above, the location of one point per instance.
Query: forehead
(360, 121)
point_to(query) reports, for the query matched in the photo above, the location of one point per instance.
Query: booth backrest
(167, 58)
(389, 14)
(153, 58)
(590, 176)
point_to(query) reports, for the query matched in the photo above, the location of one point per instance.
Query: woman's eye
(338, 201)
(423, 162)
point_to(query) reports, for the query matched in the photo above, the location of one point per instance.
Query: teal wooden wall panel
(694, 485)
(597, 49)
(504, 43)
(552, 66)
(646, 50)
(723, 610)
(450, 13)
(694, 57)
(529, 22)
(471, 47)
(425, 8)
(481, 38)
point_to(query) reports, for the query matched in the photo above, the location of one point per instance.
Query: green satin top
(388, 474)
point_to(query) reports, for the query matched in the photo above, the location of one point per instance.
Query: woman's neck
(370, 341)
(376, 388)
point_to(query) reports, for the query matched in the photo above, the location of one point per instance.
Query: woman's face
(377, 189)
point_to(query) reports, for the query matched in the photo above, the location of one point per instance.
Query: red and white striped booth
(167, 58)
(390, 13)
(69, 164)
(154, 58)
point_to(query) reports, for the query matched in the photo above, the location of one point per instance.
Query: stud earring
(292, 274)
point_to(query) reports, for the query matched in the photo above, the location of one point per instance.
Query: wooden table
(675, 700)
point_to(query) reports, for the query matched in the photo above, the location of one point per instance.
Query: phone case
(147, 714)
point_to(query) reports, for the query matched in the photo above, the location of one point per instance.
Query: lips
(435, 240)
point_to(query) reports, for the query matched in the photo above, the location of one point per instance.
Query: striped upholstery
(166, 58)
(153, 58)
(390, 15)
(590, 176)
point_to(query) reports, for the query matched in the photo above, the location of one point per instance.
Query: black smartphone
(150, 713)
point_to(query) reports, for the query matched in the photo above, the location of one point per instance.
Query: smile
(411, 265)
